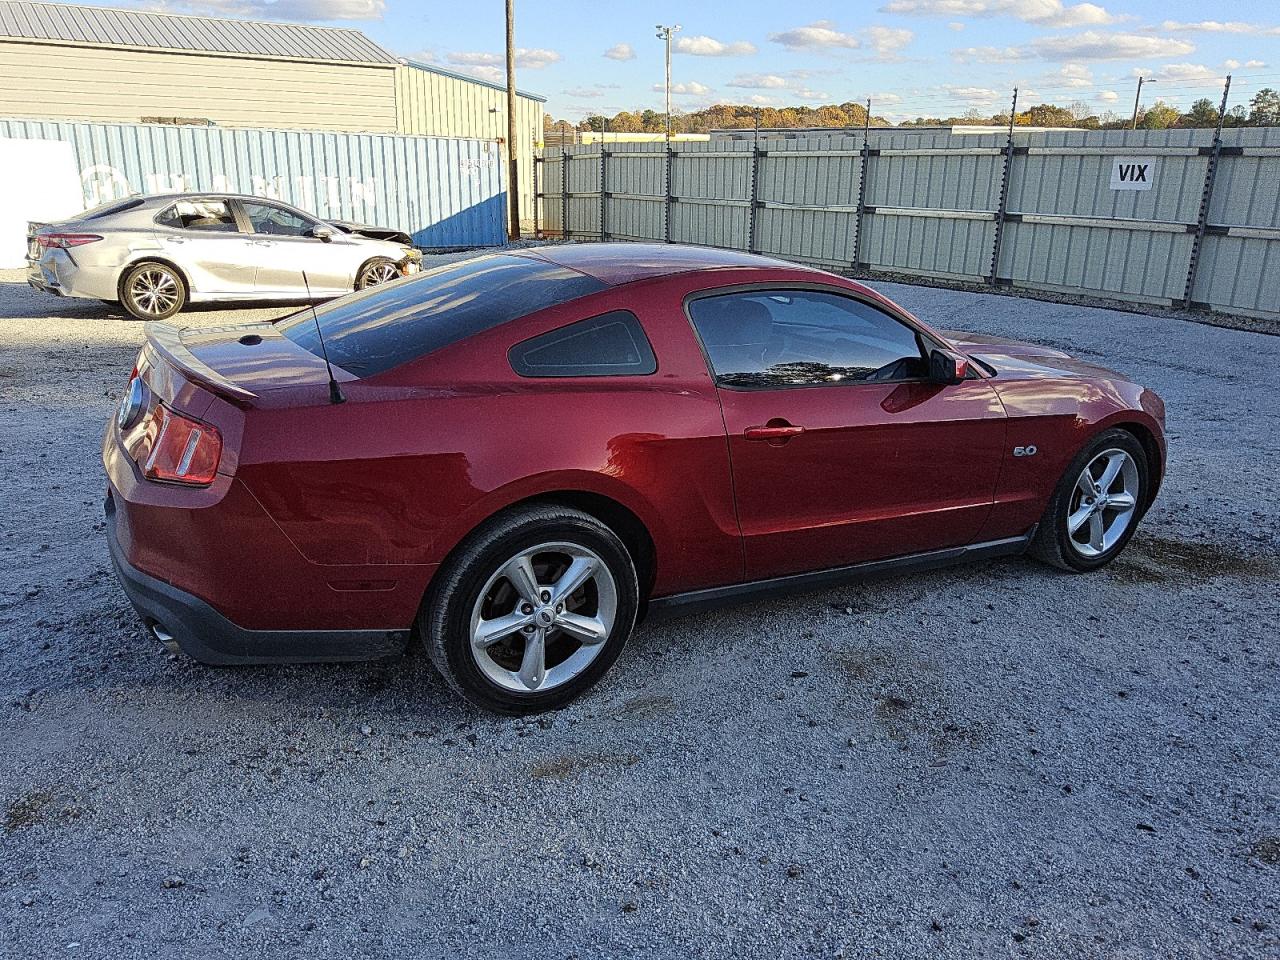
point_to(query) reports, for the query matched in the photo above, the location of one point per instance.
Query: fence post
(564, 193)
(537, 199)
(1206, 196)
(1002, 210)
(862, 187)
(604, 193)
(755, 197)
(667, 205)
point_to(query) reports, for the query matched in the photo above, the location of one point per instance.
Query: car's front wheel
(153, 291)
(376, 271)
(531, 610)
(1096, 507)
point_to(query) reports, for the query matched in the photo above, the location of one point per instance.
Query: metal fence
(1165, 217)
(445, 192)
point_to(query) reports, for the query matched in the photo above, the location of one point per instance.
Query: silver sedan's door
(286, 245)
(203, 237)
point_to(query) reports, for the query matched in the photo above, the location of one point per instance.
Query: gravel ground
(997, 761)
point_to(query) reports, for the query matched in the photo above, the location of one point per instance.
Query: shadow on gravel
(1155, 559)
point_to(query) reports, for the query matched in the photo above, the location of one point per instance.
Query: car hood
(1016, 359)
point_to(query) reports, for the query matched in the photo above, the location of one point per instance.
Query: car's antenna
(335, 391)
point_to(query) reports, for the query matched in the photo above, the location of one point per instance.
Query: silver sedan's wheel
(1103, 503)
(153, 291)
(376, 272)
(543, 617)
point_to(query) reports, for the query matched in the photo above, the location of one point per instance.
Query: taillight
(64, 240)
(181, 450)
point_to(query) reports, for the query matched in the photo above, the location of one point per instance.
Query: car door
(842, 450)
(287, 245)
(203, 237)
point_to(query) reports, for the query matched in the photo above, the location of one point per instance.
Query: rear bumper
(206, 635)
(59, 273)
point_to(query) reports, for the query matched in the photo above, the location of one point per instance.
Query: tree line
(1263, 110)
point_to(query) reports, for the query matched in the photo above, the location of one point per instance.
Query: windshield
(384, 326)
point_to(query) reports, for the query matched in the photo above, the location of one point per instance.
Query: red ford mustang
(514, 457)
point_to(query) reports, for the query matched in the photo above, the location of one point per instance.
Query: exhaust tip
(165, 637)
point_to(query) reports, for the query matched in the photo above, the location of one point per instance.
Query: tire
(168, 291)
(472, 596)
(1084, 550)
(376, 271)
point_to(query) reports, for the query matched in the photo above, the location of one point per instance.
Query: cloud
(704, 46)
(817, 36)
(1180, 72)
(888, 41)
(956, 25)
(974, 94)
(306, 11)
(759, 81)
(532, 59)
(620, 51)
(1090, 45)
(690, 89)
(1047, 13)
(1219, 26)
(583, 93)
(1070, 75)
(1108, 96)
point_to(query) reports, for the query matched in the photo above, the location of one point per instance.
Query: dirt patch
(1266, 849)
(644, 707)
(1155, 559)
(561, 768)
(37, 808)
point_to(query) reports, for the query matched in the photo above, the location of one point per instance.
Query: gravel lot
(997, 761)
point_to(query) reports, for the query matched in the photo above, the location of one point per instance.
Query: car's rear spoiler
(166, 340)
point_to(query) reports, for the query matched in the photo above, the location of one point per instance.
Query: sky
(911, 57)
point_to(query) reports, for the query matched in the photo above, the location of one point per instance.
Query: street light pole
(513, 175)
(664, 33)
(1137, 98)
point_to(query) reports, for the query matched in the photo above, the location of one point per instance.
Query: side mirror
(947, 367)
(322, 232)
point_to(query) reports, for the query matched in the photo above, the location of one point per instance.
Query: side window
(211, 215)
(766, 339)
(277, 221)
(610, 345)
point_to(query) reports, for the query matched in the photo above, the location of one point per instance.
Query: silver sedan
(156, 254)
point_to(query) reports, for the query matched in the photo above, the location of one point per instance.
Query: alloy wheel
(380, 273)
(543, 617)
(153, 291)
(1103, 503)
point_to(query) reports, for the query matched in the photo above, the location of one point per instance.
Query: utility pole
(664, 33)
(1137, 99)
(513, 174)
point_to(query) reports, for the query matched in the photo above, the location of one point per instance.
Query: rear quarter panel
(421, 455)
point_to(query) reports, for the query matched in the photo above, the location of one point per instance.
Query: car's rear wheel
(376, 271)
(153, 291)
(531, 610)
(1097, 504)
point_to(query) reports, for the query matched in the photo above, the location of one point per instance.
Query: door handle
(262, 243)
(176, 239)
(776, 432)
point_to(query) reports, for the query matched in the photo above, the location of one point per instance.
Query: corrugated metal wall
(435, 104)
(929, 204)
(115, 85)
(445, 192)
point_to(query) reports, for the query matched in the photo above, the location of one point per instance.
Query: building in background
(63, 62)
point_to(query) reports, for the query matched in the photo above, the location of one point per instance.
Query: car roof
(619, 263)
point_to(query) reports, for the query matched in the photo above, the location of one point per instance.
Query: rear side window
(610, 345)
(384, 326)
(210, 215)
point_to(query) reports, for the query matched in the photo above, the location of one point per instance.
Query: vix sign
(1132, 173)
